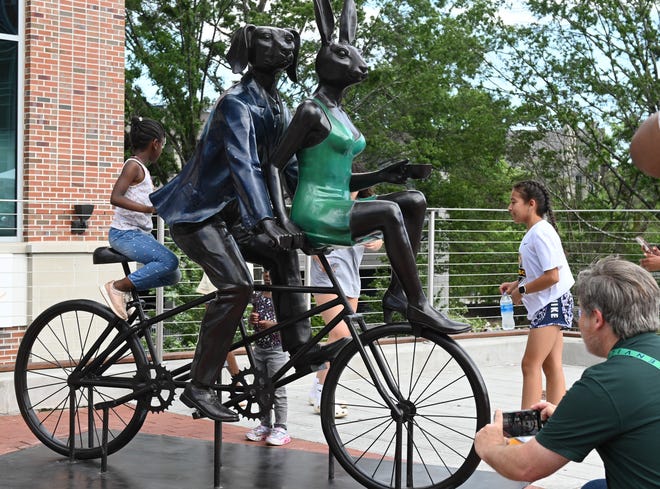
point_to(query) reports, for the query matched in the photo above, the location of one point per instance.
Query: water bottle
(506, 309)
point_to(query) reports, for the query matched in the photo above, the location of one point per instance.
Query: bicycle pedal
(196, 414)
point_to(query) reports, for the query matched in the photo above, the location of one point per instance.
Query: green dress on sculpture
(322, 204)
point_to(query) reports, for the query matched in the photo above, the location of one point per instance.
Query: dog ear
(292, 70)
(237, 55)
(348, 22)
(324, 20)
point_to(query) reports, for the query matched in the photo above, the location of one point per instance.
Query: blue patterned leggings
(161, 266)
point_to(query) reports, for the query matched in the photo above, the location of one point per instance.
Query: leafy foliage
(455, 84)
(585, 73)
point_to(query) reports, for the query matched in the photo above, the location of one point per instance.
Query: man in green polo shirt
(615, 407)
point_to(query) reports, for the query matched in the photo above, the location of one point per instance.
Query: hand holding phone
(644, 244)
(521, 423)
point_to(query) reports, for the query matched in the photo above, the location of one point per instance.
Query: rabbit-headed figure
(338, 64)
(325, 141)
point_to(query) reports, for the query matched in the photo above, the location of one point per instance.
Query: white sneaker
(278, 437)
(340, 410)
(116, 299)
(314, 392)
(315, 398)
(258, 433)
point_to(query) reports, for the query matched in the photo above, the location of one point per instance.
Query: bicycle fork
(401, 410)
(384, 389)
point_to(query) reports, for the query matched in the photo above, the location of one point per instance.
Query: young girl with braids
(130, 231)
(543, 287)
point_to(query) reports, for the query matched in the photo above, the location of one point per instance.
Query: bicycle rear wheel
(62, 370)
(441, 397)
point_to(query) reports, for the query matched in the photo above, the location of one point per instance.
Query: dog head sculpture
(267, 49)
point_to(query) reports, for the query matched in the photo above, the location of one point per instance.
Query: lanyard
(625, 352)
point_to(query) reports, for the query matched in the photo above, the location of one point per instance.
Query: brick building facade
(69, 109)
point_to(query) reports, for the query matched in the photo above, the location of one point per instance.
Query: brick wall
(73, 133)
(9, 340)
(74, 114)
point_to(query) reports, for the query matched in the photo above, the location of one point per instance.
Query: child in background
(269, 357)
(130, 231)
(345, 263)
(543, 286)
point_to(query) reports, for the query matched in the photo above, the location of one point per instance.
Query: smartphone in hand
(522, 423)
(644, 244)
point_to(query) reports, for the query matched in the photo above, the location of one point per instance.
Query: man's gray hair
(626, 294)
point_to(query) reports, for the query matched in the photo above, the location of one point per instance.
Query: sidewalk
(503, 379)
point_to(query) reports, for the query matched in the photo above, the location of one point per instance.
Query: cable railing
(465, 255)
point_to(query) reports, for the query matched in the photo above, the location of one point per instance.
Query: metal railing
(465, 255)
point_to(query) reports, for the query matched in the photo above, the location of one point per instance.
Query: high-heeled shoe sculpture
(325, 141)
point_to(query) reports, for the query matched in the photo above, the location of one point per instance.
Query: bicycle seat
(106, 254)
(310, 250)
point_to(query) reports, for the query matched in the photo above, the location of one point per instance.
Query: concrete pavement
(498, 360)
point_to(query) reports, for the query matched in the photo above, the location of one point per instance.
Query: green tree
(584, 74)
(421, 100)
(177, 46)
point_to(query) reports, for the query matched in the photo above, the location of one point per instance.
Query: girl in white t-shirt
(543, 287)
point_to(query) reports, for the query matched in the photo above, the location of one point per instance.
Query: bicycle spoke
(74, 355)
(432, 381)
(442, 389)
(45, 401)
(57, 337)
(373, 399)
(423, 463)
(439, 440)
(385, 420)
(440, 402)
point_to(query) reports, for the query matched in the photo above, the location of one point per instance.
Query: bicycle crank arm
(121, 400)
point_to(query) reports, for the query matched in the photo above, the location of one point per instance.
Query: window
(9, 102)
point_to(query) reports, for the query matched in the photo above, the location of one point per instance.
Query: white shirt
(125, 219)
(541, 250)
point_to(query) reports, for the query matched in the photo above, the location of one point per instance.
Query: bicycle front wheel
(72, 357)
(440, 401)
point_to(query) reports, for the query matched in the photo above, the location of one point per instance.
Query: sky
(513, 14)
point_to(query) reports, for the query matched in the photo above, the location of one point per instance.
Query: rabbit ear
(324, 20)
(292, 70)
(348, 22)
(237, 55)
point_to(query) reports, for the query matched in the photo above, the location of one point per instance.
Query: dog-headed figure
(220, 212)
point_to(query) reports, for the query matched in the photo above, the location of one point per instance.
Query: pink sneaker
(278, 437)
(116, 299)
(258, 433)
